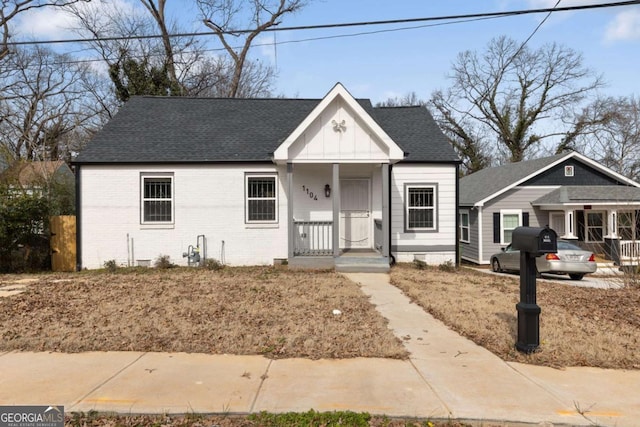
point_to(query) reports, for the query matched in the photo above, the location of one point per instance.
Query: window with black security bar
(261, 198)
(421, 208)
(157, 199)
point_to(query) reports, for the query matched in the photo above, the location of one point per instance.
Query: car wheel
(495, 265)
(576, 276)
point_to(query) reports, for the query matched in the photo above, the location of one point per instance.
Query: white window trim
(434, 187)
(504, 212)
(157, 224)
(586, 225)
(246, 197)
(467, 227)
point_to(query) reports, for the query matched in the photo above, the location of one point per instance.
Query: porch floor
(350, 261)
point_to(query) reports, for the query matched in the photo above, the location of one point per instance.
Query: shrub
(419, 264)
(447, 266)
(110, 265)
(163, 262)
(212, 264)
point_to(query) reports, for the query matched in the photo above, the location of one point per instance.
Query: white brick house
(253, 181)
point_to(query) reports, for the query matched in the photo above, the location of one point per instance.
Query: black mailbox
(531, 242)
(535, 240)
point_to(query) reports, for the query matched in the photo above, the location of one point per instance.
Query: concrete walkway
(447, 376)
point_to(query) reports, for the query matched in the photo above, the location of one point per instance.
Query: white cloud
(45, 23)
(625, 26)
(51, 23)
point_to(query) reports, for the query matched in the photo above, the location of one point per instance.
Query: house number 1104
(311, 194)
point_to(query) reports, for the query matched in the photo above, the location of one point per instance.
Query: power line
(512, 58)
(348, 24)
(310, 39)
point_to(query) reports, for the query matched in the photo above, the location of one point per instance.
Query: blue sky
(379, 66)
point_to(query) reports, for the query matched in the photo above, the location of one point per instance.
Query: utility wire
(508, 62)
(348, 24)
(335, 36)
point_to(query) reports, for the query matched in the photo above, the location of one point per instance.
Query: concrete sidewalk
(447, 376)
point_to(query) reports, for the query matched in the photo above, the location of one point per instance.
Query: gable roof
(185, 130)
(482, 186)
(338, 92)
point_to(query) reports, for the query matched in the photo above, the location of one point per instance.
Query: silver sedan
(570, 259)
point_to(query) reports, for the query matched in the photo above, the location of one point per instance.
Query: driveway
(605, 278)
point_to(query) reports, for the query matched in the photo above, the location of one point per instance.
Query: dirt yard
(281, 313)
(268, 311)
(578, 326)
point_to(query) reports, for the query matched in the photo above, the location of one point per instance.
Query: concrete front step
(362, 264)
(344, 264)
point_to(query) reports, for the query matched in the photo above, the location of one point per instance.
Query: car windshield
(570, 246)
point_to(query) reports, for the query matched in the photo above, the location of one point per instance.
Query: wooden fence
(63, 243)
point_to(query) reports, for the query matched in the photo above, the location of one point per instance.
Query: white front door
(355, 214)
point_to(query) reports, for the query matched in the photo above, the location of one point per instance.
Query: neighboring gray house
(577, 197)
(258, 181)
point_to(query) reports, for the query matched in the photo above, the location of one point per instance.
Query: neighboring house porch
(579, 198)
(605, 219)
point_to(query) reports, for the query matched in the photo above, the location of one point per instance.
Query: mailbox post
(532, 242)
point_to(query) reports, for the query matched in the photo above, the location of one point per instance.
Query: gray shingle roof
(416, 132)
(482, 184)
(589, 194)
(181, 129)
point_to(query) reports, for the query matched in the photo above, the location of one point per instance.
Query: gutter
(78, 219)
(457, 242)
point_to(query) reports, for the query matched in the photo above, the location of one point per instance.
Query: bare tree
(467, 137)
(45, 100)
(156, 9)
(13, 8)
(136, 64)
(517, 96)
(410, 99)
(616, 143)
(224, 18)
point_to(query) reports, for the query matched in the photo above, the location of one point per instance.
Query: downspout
(393, 258)
(457, 242)
(480, 236)
(78, 220)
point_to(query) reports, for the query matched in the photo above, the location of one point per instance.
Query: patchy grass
(578, 326)
(262, 419)
(281, 313)
(274, 312)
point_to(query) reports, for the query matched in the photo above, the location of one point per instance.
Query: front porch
(339, 216)
(604, 219)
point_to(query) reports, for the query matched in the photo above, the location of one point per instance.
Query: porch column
(386, 221)
(611, 238)
(336, 209)
(569, 232)
(612, 224)
(292, 228)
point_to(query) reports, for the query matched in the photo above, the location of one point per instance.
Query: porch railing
(629, 252)
(313, 238)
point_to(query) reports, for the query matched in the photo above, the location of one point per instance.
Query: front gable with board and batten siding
(338, 129)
